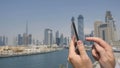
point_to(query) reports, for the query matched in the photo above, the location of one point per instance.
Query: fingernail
(79, 42)
(73, 37)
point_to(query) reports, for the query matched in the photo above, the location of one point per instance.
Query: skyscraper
(25, 39)
(30, 39)
(48, 37)
(0, 40)
(65, 40)
(6, 41)
(3, 40)
(96, 28)
(108, 17)
(107, 30)
(20, 39)
(57, 38)
(81, 27)
(109, 20)
(61, 39)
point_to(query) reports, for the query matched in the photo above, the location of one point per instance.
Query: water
(48, 60)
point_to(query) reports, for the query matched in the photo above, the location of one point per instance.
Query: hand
(78, 61)
(102, 52)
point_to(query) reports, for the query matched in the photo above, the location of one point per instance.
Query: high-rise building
(25, 39)
(109, 20)
(0, 40)
(3, 40)
(96, 28)
(33, 41)
(6, 41)
(104, 32)
(65, 41)
(15, 41)
(81, 27)
(48, 37)
(30, 39)
(108, 17)
(57, 38)
(61, 40)
(20, 39)
(107, 30)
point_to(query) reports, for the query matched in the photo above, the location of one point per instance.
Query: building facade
(109, 20)
(57, 38)
(96, 28)
(61, 40)
(48, 37)
(107, 30)
(81, 27)
(30, 39)
(3, 40)
(24, 39)
(20, 39)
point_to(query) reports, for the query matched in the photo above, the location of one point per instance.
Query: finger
(95, 54)
(81, 48)
(72, 47)
(100, 51)
(100, 42)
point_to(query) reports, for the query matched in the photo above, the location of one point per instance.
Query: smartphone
(75, 31)
(77, 38)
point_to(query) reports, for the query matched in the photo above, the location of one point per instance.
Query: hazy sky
(54, 14)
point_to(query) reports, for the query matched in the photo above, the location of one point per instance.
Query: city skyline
(55, 15)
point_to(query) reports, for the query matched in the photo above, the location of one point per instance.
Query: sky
(53, 14)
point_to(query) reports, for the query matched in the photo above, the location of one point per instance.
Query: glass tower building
(57, 38)
(48, 37)
(81, 27)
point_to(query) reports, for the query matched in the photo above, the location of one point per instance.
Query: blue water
(48, 60)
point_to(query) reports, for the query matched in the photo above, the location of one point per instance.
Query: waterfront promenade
(10, 51)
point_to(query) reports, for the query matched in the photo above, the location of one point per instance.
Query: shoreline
(26, 54)
(34, 50)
